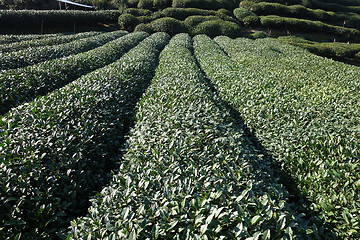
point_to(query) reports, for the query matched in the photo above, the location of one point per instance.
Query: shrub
(169, 25)
(218, 27)
(128, 21)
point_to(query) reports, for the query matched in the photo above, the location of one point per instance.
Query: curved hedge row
(299, 11)
(335, 6)
(35, 55)
(59, 149)
(189, 171)
(308, 25)
(329, 5)
(55, 40)
(326, 49)
(210, 25)
(183, 13)
(25, 84)
(305, 111)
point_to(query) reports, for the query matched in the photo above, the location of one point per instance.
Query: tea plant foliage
(24, 84)
(189, 171)
(12, 38)
(54, 40)
(305, 111)
(59, 149)
(33, 55)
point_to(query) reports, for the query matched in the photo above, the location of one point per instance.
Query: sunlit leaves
(33, 55)
(189, 171)
(61, 147)
(25, 84)
(8, 39)
(50, 40)
(303, 108)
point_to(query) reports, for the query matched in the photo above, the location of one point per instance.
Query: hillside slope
(326, 28)
(329, 29)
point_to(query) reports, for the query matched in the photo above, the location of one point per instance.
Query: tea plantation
(131, 135)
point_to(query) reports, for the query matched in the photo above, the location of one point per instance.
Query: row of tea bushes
(21, 85)
(11, 38)
(54, 40)
(336, 50)
(30, 56)
(305, 111)
(57, 150)
(189, 171)
(273, 21)
(326, 5)
(299, 11)
(210, 25)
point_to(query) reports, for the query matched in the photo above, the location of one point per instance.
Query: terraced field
(138, 136)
